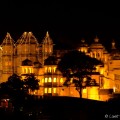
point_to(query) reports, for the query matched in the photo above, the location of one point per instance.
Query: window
(42, 80)
(61, 80)
(49, 90)
(28, 70)
(49, 70)
(54, 80)
(54, 90)
(84, 90)
(54, 69)
(98, 55)
(50, 80)
(45, 90)
(25, 70)
(45, 69)
(45, 80)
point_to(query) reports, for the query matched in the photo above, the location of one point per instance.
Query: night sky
(67, 22)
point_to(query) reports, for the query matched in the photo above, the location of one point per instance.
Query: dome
(96, 44)
(27, 38)
(83, 43)
(47, 39)
(27, 62)
(51, 60)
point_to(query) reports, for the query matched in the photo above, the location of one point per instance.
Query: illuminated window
(50, 69)
(93, 55)
(54, 90)
(28, 70)
(25, 70)
(54, 80)
(54, 69)
(45, 69)
(45, 80)
(49, 90)
(61, 80)
(50, 80)
(101, 71)
(45, 90)
(98, 55)
(42, 80)
(84, 90)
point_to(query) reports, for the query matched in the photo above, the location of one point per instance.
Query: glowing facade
(27, 55)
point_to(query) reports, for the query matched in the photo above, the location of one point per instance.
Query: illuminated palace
(27, 55)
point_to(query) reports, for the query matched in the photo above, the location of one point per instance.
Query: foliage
(78, 66)
(31, 82)
(17, 88)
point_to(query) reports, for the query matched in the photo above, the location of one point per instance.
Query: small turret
(7, 56)
(113, 44)
(47, 47)
(83, 47)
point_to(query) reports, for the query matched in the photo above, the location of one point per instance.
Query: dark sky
(66, 21)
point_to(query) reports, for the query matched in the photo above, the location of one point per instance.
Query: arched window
(49, 90)
(54, 80)
(45, 80)
(25, 70)
(50, 79)
(49, 70)
(93, 55)
(28, 70)
(45, 90)
(54, 90)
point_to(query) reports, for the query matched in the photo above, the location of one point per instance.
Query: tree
(15, 82)
(14, 85)
(31, 83)
(14, 88)
(79, 66)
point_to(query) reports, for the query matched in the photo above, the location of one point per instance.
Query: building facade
(27, 55)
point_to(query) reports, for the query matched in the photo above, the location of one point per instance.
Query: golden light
(49, 90)
(84, 91)
(54, 80)
(45, 90)
(50, 80)
(45, 80)
(54, 90)
(61, 80)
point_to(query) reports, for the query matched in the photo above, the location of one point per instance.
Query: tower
(83, 46)
(26, 48)
(97, 49)
(7, 55)
(47, 47)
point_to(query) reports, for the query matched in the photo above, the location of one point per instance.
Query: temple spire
(8, 40)
(22, 38)
(47, 39)
(113, 44)
(96, 39)
(47, 34)
(27, 38)
(83, 40)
